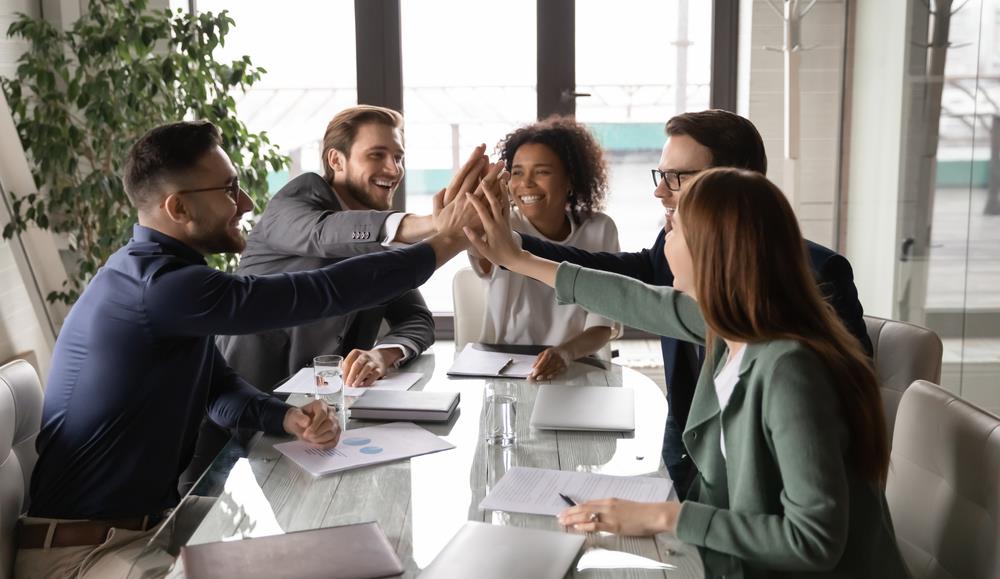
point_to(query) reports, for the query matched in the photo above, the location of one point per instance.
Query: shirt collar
(168, 244)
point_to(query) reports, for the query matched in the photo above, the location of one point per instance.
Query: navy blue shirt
(135, 367)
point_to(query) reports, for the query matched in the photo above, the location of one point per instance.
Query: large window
(311, 70)
(470, 75)
(636, 82)
(468, 86)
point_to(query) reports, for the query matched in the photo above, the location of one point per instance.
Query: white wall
(821, 81)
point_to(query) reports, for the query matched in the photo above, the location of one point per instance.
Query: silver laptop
(583, 408)
(487, 551)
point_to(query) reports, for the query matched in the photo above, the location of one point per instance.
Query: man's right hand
(315, 423)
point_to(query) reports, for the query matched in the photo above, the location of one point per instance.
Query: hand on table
(550, 363)
(622, 517)
(315, 423)
(363, 367)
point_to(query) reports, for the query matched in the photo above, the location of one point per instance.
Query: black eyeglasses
(673, 178)
(233, 189)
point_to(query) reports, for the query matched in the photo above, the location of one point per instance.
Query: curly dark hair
(580, 153)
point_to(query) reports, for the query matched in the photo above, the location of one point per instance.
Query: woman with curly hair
(558, 182)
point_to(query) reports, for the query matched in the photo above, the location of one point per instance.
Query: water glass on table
(500, 406)
(330, 385)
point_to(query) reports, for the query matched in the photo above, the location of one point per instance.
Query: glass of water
(330, 385)
(500, 407)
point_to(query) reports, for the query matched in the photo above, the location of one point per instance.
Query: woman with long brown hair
(786, 427)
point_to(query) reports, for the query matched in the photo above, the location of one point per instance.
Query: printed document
(535, 491)
(364, 446)
(303, 382)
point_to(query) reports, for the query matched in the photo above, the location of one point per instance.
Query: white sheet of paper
(475, 362)
(535, 491)
(303, 383)
(365, 446)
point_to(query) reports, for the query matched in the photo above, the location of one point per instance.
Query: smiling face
(539, 185)
(369, 176)
(682, 154)
(213, 224)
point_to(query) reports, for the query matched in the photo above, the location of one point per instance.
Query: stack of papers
(476, 363)
(535, 491)
(364, 446)
(303, 382)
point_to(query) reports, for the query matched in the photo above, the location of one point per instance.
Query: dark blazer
(304, 227)
(682, 360)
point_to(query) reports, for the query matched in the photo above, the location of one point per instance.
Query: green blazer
(784, 500)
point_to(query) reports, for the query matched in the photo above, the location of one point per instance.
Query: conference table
(422, 502)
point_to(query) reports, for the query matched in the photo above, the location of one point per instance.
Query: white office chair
(469, 300)
(20, 419)
(903, 354)
(944, 485)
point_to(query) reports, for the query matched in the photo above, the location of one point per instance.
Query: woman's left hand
(622, 517)
(550, 363)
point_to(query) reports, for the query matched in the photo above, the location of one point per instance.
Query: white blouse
(725, 383)
(521, 310)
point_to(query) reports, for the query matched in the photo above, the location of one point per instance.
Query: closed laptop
(583, 408)
(487, 551)
(412, 405)
(347, 552)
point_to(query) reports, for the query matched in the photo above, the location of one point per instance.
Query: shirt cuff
(391, 227)
(273, 416)
(407, 354)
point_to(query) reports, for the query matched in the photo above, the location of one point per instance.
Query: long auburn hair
(753, 284)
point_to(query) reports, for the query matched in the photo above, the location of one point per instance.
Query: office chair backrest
(944, 485)
(469, 299)
(903, 353)
(20, 419)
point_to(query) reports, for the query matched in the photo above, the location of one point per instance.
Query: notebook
(487, 551)
(346, 552)
(415, 406)
(583, 408)
(474, 362)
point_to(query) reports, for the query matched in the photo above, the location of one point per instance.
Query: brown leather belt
(77, 533)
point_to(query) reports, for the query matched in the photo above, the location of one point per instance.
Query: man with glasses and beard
(135, 368)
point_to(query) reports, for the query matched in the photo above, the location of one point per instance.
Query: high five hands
(452, 213)
(491, 202)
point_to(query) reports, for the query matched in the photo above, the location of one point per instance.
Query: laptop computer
(583, 408)
(489, 551)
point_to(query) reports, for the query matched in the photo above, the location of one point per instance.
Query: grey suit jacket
(304, 227)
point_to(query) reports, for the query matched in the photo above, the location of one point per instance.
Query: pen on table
(567, 500)
(505, 364)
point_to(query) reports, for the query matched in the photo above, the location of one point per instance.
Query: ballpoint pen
(505, 364)
(567, 500)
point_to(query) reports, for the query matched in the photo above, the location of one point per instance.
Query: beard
(359, 192)
(220, 239)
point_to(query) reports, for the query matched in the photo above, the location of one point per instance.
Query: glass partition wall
(948, 269)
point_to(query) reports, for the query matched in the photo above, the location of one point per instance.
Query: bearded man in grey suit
(314, 221)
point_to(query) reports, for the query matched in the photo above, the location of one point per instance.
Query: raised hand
(492, 204)
(464, 180)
